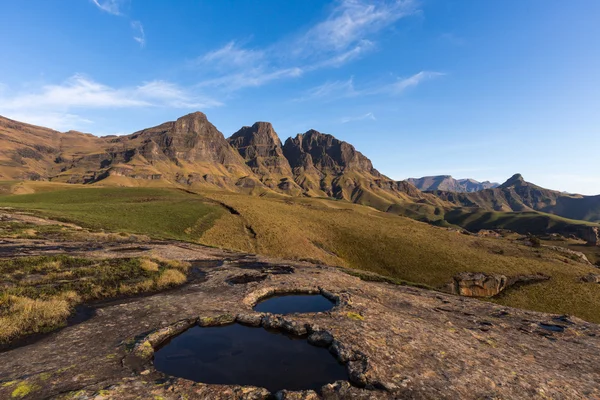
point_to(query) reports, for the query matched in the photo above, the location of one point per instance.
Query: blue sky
(471, 88)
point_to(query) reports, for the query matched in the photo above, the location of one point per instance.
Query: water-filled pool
(241, 355)
(294, 303)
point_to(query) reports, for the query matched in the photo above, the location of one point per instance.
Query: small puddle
(196, 275)
(246, 278)
(551, 327)
(294, 303)
(241, 355)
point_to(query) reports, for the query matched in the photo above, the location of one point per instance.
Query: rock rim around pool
(142, 357)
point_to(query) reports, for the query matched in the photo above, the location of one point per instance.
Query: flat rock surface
(415, 344)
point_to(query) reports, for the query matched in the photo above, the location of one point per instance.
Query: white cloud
(110, 6)
(54, 104)
(363, 117)
(231, 55)
(351, 21)
(331, 91)
(340, 59)
(54, 120)
(80, 91)
(344, 35)
(345, 89)
(251, 78)
(139, 35)
(402, 84)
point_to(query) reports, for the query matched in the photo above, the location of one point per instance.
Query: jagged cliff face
(261, 148)
(325, 166)
(187, 151)
(191, 151)
(192, 139)
(325, 153)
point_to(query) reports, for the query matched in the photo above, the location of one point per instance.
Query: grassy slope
(359, 237)
(161, 213)
(523, 222)
(335, 232)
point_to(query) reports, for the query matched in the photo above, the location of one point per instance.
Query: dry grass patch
(38, 293)
(183, 266)
(148, 265)
(170, 277)
(22, 314)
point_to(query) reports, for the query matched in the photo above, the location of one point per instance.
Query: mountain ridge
(450, 184)
(191, 153)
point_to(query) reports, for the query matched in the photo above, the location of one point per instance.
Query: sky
(468, 88)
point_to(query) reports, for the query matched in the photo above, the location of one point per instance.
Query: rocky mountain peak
(192, 138)
(515, 180)
(259, 139)
(261, 148)
(325, 153)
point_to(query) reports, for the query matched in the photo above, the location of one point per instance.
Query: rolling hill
(516, 194)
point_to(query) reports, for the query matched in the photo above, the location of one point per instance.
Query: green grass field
(160, 213)
(326, 231)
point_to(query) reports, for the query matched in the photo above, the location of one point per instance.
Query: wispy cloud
(363, 117)
(350, 22)
(114, 7)
(331, 90)
(346, 34)
(54, 120)
(250, 78)
(138, 35)
(56, 103)
(232, 55)
(402, 84)
(110, 6)
(344, 89)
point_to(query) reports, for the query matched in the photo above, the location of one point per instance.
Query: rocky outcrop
(317, 151)
(192, 138)
(592, 236)
(591, 278)
(572, 254)
(260, 146)
(480, 284)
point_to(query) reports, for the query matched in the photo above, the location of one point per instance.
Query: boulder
(591, 278)
(479, 284)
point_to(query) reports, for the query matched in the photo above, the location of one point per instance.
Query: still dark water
(241, 355)
(296, 303)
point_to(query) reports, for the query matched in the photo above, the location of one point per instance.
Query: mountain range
(192, 153)
(449, 184)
